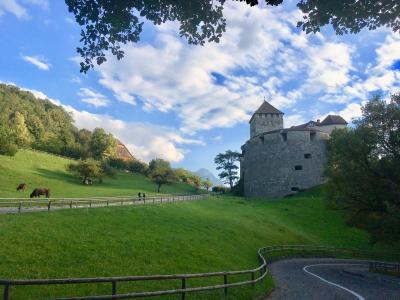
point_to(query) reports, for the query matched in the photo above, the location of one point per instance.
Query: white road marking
(359, 297)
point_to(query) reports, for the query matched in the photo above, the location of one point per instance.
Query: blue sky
(188, 103)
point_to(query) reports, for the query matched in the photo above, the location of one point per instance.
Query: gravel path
(297, 279)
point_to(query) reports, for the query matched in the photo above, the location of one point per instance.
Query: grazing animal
(38, 192)
(21, 187)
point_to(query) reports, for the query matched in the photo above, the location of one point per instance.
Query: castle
(278, 161)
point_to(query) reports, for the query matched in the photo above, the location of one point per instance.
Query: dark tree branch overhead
(109, 24)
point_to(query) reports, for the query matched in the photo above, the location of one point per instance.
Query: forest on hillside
(28, 122)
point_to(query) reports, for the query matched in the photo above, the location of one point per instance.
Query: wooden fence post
(226, 282)
(90, 203)
(252, 279)
(70, 204)
(49, 205)
(183, 287)
(114, 288)
(7, 292)
(19, 207)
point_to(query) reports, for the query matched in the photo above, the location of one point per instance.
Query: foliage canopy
(364, 169)
(108, 25)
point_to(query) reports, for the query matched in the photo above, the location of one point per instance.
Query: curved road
(310, 278)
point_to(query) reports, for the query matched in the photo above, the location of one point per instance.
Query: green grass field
(216, 234)
(45, 170)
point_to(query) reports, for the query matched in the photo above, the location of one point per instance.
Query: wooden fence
(265, 256)
(25, 204)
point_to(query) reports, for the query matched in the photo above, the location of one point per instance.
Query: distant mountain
(204, 173)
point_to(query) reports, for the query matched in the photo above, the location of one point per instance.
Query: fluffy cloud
(144, 140)
(261, 54)
(18, 8)
(93, 98)
(38, 61)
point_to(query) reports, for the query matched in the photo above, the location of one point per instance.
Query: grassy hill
(208, 235)
(216, 234)
(39, 169)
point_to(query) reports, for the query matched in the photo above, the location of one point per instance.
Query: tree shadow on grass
(57, 175)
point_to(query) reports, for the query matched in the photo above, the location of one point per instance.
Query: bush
(220, 189)
(136, 166)
(7, 145)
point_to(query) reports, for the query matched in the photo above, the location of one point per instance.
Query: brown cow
(22, 187)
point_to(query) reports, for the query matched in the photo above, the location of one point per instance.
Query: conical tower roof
(266, 108)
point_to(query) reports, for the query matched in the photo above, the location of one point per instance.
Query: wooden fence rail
(265, 256)
(24, 204)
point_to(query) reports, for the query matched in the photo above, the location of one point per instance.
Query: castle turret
(265, 118)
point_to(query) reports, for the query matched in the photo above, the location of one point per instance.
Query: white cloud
(38, 61)
(18, 7)
(220, 85)
(145, 141)
(92, 97)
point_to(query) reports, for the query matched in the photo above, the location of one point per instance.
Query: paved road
(327, 279)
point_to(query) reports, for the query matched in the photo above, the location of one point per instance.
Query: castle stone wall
(279, 163)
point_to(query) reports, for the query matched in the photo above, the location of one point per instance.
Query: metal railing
(23, 204)
(265, 256)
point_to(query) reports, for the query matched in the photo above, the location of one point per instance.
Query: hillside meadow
(220, 233)
(39, 169)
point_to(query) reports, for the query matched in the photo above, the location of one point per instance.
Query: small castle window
(307, 155)
(298, 167)
(284, 136)
(312, 135)
(262, 139)
(294, 189)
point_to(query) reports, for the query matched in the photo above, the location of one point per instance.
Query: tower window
(284, 136)
(294, 189)
(262, 139)
(312, 135)
(307, 155)
(298, 167)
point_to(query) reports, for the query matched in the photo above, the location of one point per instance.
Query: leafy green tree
(108, 25)
(364, 169)
(207, 184)
(102, 145)
(7, 143)
(160, 172)
(86, 169)
(227, 162)
(137, 166)
(20, 130)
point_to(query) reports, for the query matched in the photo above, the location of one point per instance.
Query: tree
(227, 163)
(20, 130)
(137, 166)
(207, 184)
(7, 144)
(364, 169)
(346, 16)
(108, 25)
(160, 172)
(102, 145)
(86, 169)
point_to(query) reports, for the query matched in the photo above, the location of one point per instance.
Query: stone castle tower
(266, 118)
(278, 161)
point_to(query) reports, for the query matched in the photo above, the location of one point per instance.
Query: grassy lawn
(45, 170)
(208, 235)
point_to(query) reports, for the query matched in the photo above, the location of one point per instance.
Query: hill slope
(39, 169)
(209, 235)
